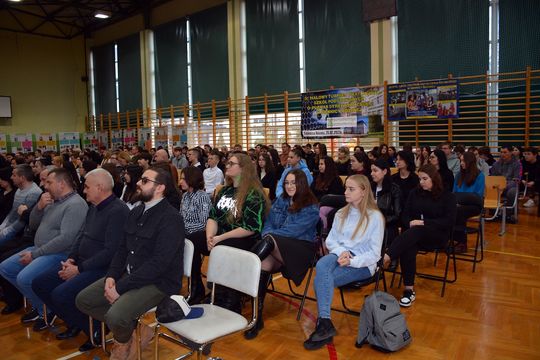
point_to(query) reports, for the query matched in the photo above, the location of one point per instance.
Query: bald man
(89, 258)
(163, 156)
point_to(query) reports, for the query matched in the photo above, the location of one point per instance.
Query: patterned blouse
(194, 209)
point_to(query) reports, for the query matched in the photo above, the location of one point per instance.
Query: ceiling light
(15, 0)
(102, 14)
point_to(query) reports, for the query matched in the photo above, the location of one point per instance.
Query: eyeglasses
(145, 180)
(230, 163)
(289, 183)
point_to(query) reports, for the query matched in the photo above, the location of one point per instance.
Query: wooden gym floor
(491, 314)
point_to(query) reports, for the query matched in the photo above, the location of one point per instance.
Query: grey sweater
(57, 225)
(28, 197)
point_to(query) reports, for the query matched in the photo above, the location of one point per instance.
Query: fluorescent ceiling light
(102, 14)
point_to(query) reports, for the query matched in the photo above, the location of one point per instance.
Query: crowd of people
(101, 233)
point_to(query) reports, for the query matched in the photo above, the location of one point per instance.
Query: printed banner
(103, 138)
(130, 137)
(69, 141)
(21, 143)
(46, 142)
(423, 100)
(117, 138)
(179, 136)
(145, 138)
(3, 143)
(90, 141)
(340, 112)
(161, 137)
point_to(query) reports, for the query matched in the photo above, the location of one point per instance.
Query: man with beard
(147, 267)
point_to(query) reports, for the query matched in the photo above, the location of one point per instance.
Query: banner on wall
(145, 138)
(90, 141)
(3, 143)
(340, 112)
(161, 137)
(46, 142)
(69, 141)
(117, 138)
(130, 137)
(179, 136)
(103, 138)
(21, 143)
(423, 100)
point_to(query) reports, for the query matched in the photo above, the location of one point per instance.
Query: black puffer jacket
(389, 203)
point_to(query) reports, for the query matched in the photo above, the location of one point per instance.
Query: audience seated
(236, 219)
(89, 257)
(146, 268)
(530, 178)
(288, 237)
(115, 173)
(213, 176)
(327, 181)
(7, 192)
(438, 159)
(57, 218)
(406, 177)
(172, 192)
(294, 161)
(267, 174)
(428, 217)
(343, 162)
(131, 175)
(354, 246)
(509, 167)
(360, 165)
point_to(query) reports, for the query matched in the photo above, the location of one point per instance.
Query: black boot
(197, 290)
(324, 334)
(228, 299)
(259, 325)
(263, 247)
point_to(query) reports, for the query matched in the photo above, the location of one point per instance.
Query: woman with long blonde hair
(236, 218)
(354, 246)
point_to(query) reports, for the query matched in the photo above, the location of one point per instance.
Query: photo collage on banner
(3, 143)
(179, 136)
(21, 143)
(161, 137)
(341, 112)
(90, 141)
(423, 100)
(69, 141)
(46, 142)
(103, 138)
(130, 138)
(117, 138)
(145, 138)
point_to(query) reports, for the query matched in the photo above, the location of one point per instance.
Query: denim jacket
(301, 225)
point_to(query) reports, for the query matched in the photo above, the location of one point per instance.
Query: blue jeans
(7, 234)
(59, 295)
(21, 276)
(330, 275)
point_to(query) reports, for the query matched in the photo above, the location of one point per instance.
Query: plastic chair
(230, 267)
(494, 188)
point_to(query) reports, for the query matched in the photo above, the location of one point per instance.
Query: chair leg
(503, 221)
(103, 340)
(156, 343)
(301, 308)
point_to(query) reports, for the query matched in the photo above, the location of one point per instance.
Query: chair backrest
(267, 191)
(469, 199)
(393, 170)
(494, 187)
(189, 249)
(234, 268)
(343, 178)
(217, 190)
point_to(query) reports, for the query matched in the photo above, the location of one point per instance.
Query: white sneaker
(529, 203)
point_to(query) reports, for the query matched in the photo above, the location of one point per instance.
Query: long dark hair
(323, 180)
(443, 165)
(408, 157)
(193, 176)
(435, 177)
(268, 164)
(135, 173)
(303, 197)
(470, 173)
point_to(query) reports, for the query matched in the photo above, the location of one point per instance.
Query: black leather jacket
(389, 203)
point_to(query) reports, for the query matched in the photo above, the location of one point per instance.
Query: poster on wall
(69, 141)
(161, 137)
(103, 138)
(90, 141)
(3, 143)
(21, 143)
(46, 142)
(145, 138)
(117, 139)
(179, 136)
(130, 138)
(340, 112)
(423, 100)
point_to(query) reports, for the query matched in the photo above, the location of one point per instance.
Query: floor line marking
(513, 254)
(76, 353)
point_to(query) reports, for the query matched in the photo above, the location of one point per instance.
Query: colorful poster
(46, 142)
(21, 143)
(423, 100)
(69, 141)
(130, 137)
(341, 112)
(145, 138)
(117, 139)
(179, 136)
(90, 141)
(161, 137)
(103, 138)
(3, 143)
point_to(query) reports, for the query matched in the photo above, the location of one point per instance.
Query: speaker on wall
(378, 9)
